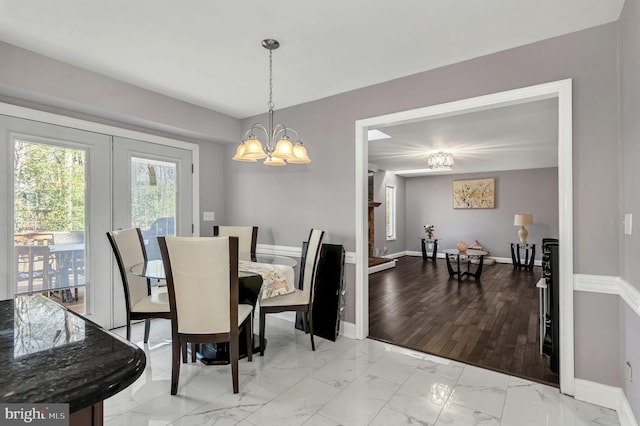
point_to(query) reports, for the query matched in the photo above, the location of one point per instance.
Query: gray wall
(322, 194)
(630, 201)
(380, 180)
(286, 202)
(535, 191)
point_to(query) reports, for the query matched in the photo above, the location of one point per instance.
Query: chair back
(247, 239)
(310, 261)
(128, 248)
(202, 281)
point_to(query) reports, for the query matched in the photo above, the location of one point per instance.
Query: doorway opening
(560, 90)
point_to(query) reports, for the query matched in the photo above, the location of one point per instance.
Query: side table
(427, 243)
(529, 255)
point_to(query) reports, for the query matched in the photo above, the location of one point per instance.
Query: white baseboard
(348, 329)
(606, 396)
(382, 267)
(441, 256)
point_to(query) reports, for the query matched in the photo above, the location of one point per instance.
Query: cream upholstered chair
(202, 279)
(247, 239)
(128, 248)
(300, 300)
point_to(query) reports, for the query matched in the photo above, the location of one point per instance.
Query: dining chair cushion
(298, 297)
(155, 303)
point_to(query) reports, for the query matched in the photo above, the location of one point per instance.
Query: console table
(529, 255)
(425, 245)
(467, 256)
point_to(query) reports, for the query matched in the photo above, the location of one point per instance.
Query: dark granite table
(52, 355)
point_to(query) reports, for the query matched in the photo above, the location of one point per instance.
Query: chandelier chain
(271, 104)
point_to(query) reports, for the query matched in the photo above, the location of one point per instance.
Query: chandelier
(440, 160)
(275, 154)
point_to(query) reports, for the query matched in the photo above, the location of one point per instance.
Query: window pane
(153, 200)
(390, 214)
(49, 220)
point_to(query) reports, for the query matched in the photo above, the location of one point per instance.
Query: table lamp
(522, 219)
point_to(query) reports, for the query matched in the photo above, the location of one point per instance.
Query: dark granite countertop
(49, 354)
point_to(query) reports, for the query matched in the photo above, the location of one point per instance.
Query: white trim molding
(606, 284)
(560, 90)
(273, 250)
(596, 393)
(606, 396)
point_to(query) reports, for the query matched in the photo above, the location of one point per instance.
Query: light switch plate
(209, 216)
(627, 223)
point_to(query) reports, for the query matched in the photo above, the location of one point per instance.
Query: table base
(459, 273)
(218, 353)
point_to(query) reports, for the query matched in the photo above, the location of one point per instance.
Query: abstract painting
(474, 194)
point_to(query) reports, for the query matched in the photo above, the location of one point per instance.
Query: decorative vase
(462, 247)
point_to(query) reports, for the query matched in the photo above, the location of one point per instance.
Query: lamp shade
(522, 219)
(284, 149)
(240, 153)
(300, 153)
(253, 149)
(273, 161)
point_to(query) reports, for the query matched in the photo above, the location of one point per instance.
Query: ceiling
(523, 136)
(209, 53)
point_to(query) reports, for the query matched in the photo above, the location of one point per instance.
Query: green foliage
(49, 188)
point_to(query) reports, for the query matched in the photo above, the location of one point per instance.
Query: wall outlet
(627, 223)
(209, 216)
(629, 371)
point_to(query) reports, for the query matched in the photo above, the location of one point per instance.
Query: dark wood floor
(492, 323)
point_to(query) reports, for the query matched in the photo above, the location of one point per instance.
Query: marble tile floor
(347, 382)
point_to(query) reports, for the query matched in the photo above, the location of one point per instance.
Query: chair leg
(262, 320)
(175, 363)
(129, 330)
(248, 330)
(183, 348)
(309, 315)
(194, 351)
(233, 357)
(147, 327)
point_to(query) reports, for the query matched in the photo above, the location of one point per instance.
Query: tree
(49, 187)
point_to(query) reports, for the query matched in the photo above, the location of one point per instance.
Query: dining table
(257, 280)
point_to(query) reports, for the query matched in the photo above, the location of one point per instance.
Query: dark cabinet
(328, 304)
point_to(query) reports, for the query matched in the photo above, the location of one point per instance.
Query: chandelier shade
(277, 154)
(300, 153)
(440, 161)
(239, 154)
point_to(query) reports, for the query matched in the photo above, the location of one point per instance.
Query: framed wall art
(474, 194)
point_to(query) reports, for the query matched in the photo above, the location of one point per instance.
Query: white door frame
(61, 120)
(562, 90)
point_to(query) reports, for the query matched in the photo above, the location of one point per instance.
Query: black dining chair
(301, 300)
